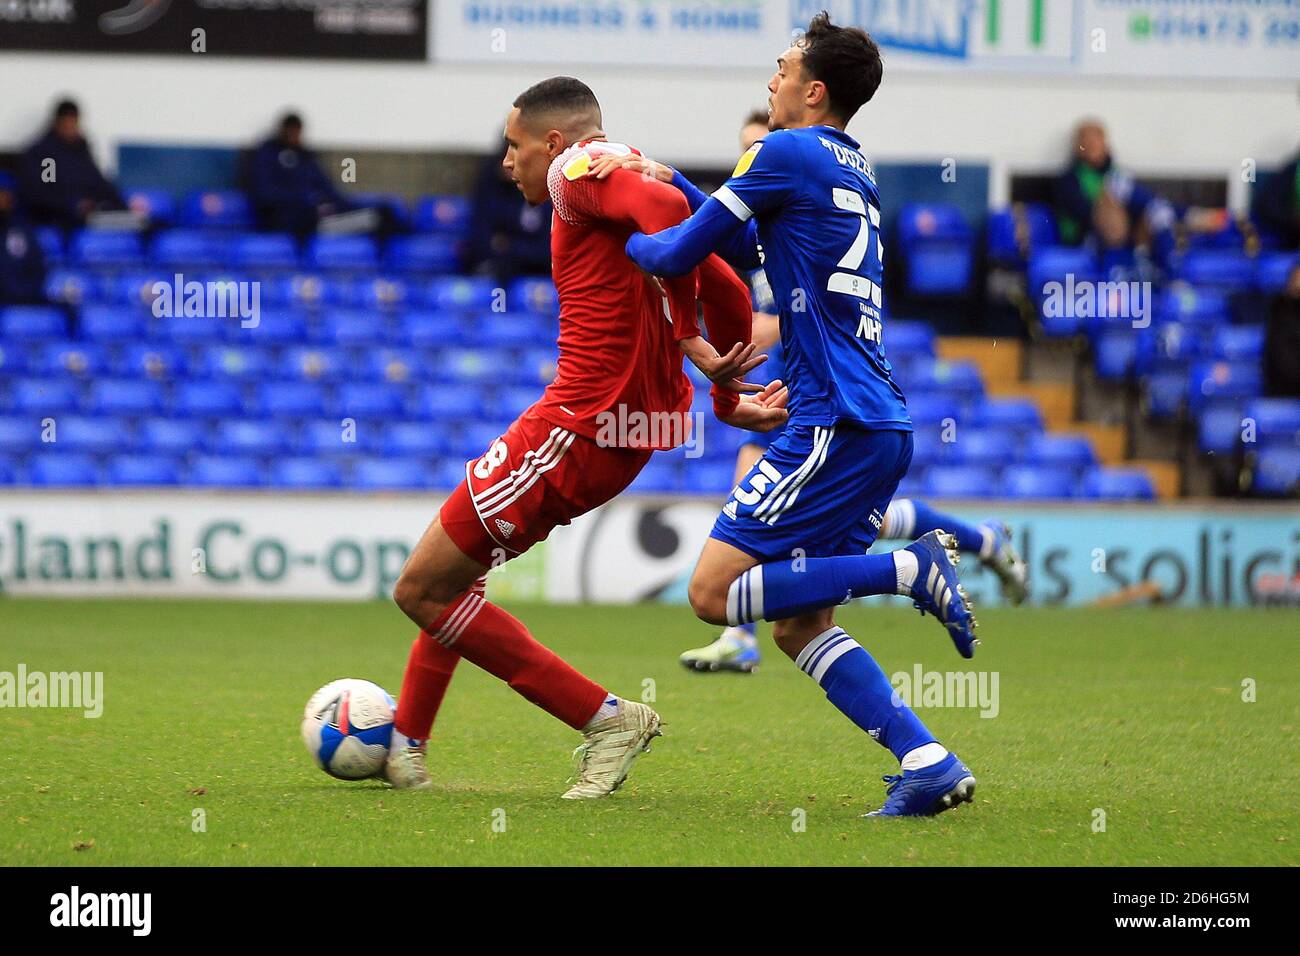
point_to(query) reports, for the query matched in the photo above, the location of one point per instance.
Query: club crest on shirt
(746, 160)
(577, 167)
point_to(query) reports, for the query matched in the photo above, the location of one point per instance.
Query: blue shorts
(821, 489)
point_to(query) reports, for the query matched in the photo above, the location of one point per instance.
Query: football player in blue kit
(790, 543)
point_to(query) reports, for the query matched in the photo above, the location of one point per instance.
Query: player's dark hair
(290, 121)
(846, 59)
(755, 118)
(66, 108)
(559, 96)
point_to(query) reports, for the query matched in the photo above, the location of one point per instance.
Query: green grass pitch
(1135, 713)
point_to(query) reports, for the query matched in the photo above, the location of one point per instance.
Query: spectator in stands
(1277, 205)
(58, 181)
(1282, 341)
(507, 236)
(1095, 199)
(286, 186)
(22, 263)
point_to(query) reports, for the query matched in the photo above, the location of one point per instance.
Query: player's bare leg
(437, 589)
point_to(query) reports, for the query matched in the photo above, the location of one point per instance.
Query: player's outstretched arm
(681, 248)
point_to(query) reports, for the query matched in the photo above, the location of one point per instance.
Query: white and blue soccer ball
(347, 726)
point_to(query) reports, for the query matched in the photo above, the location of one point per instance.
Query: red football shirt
(618, 334)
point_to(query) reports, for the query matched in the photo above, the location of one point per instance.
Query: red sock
(487, 636)
(428, 672)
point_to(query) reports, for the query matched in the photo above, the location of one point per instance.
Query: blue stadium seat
(116, 323)
(424, 328)
(1192, 306)
(380, 292)
(343, 253)
(50, 239)
(449, 215)
(1115, 352)
(960, 481)
(313, 363)
(1165, 392)
(505, 330)
(908, 337)
(1067, 451)
(395, 366)
(218, 208)
(933, 408)
(422, 254)
(661, 475)
(191, 330)
(43, 396)
(93, 435)
(249, 437)
(13, 361)
(709, 477)
(378, 474)
(306, 473)
(8, 472)
(70, 286)
(447, 473)
(157, 205)
(170, 436)
(533, 294)
(1223, 269)
(332, 438)
(1277, 420)
(368, 400)
(440, 403)
(18, 434)
(260, 252)
(309, 291)
(143, 470)
(353, 327)
(1003, 241)
(466, 293)
(472, 365)
(1277, 472)
(32, 323)
(1030, 481)
(415, 440)
(1019, 414)
(536, 367)
(1273, 269)
(474, 437)
(64, 469)
(508, 403)
(1238, 343)
(1117, 484)
(104, 250)
(225, 471)
(1219, 428)
(134, 288)
(235, 362)
(189, 249)
(928, 447)
(206, 399)
(124, 396)
(937, 247)
(1055, 263)
(988, 447)
(1222, 380)
(81, 359)
(273, 327)
(961, 379)
(289, 399)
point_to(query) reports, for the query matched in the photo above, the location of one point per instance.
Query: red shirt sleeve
(728, 318)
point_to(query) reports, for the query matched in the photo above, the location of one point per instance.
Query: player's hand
(726, 371)
(606, 163)
(762, 412)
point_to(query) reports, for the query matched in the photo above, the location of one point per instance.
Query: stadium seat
(264, 251)
(32, 323)
(189, 249)
(508, 403)
(981, 447)
(289, 399)
(937, 248)
(504, 330)
(50, 239)
(449, 215)
(959, 481)
(235, 362)
(1277, 472)
(170, 436)
(249, 437)
(961, 379)
(1066, 451)
(1030, 481)
(157, 205)
(343, 253)
(1115, 353)
(133, 288)
(1273, 269)
(81, 359)
(306, 473)
(1018, 414)
(160, 362)
(1222, 380)
(352, 327)
(8, 472)
(117, 323)
(439, 404)
(43, 396)
(1223, 269)
(224, 471)
(933, 408)
(369, 400)
(206, 399)
(661, 475)
(192, 330)
(124, 396)
(1234, 343)
(424, 328)
(1219, 428)
(1277, 420)
(70, 286)
(928, 447)
(93, 435)
(312, 363)
(533, 294)
(414, 440)
(19, 434)
(1192, 306)
(1164, 393)
(447, 473)
(223, 209)
(65, 469)
(422, 254)
(378, 474)
(1055, 263)
(269, 327)
(331, 439)
(103, 250)
(380, 292)
(1117, 484)
(144, 470)
(708, 477)
(906, 337)
(13, 361)
(466, 293)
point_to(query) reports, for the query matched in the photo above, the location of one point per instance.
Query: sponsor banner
(178, 544)
(342, 29)
(1178, 38)
(352, 547)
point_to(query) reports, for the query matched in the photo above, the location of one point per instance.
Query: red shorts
(534, 477)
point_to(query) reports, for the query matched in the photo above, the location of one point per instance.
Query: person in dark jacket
(58, 181)
(1282, 341)
(22, 263)
(507, 236)
(1277, 205)
(286, 186)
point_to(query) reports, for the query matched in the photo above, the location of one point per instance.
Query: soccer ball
(347, 726)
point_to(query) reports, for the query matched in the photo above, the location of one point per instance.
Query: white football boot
(406, 770)
(610, 748)
(1000, 556)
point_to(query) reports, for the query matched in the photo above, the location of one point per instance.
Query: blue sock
(969, 537)
(856, 685)
(781, 589)
(749, 627)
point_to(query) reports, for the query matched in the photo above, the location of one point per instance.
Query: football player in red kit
(622, 338)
